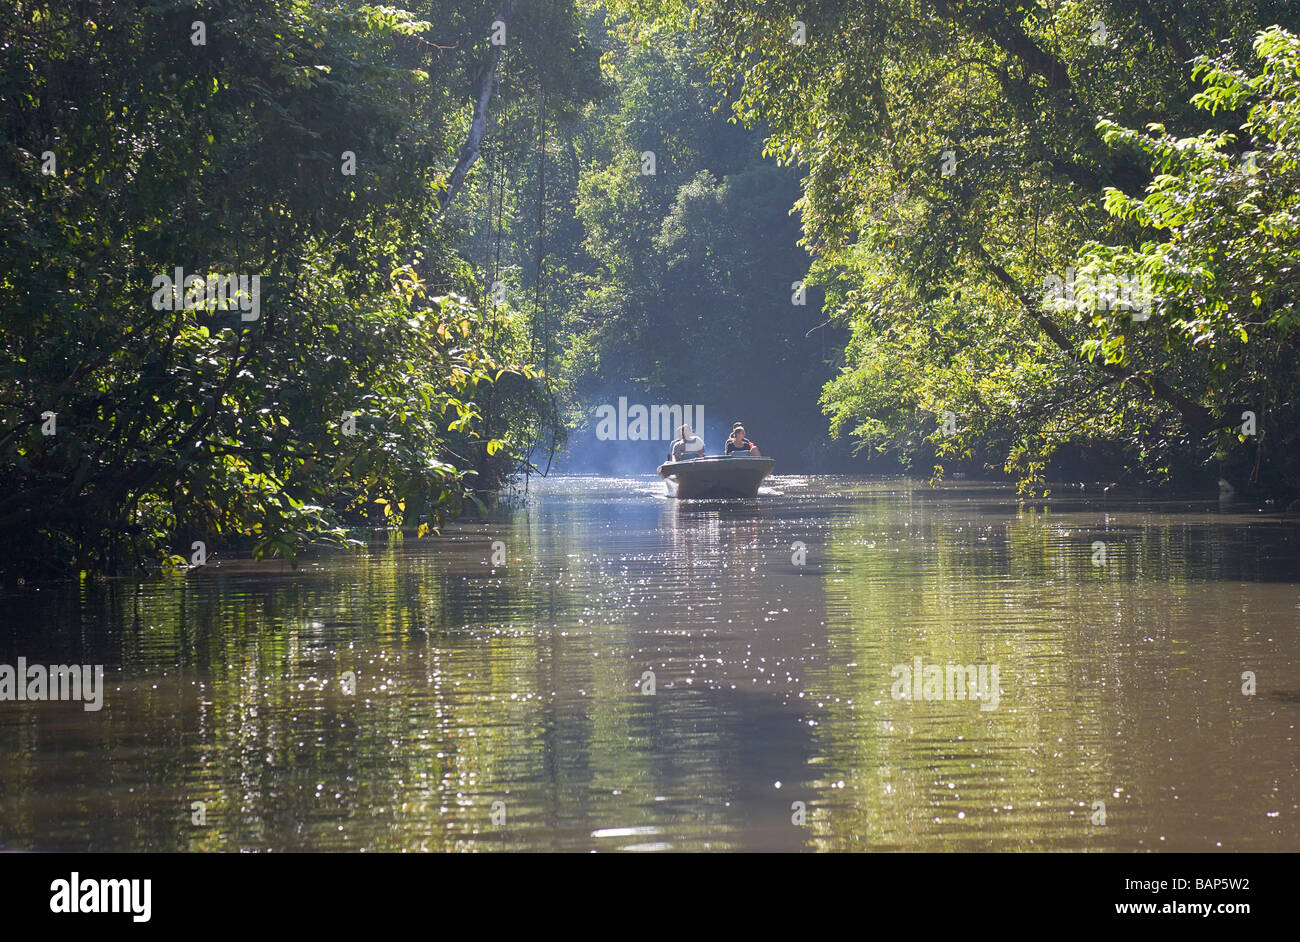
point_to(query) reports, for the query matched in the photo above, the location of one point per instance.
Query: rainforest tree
(303, 150)
(958, 157)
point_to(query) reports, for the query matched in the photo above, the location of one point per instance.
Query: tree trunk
(483, 86)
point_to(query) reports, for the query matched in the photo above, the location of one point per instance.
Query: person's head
(738, 432)
(684, 432)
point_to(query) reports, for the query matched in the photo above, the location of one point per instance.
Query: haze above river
(775, 683)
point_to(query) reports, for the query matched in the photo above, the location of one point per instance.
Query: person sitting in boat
(739, 445)
(687, 445)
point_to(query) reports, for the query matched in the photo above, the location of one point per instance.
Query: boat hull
(715, 477)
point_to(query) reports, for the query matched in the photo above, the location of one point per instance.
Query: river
(637, 673)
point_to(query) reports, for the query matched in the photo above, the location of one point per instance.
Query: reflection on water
(1119, 683)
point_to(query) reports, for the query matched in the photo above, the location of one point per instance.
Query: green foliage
(957, 155)
(682, 278)
(1226, 268)
(228, 158)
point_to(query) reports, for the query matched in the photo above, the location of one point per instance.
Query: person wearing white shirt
(687, 445)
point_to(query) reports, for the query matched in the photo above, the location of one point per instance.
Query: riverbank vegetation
(962, 157)
(1025, 240)
(309, 151)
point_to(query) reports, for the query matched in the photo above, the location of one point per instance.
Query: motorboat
(738, 476)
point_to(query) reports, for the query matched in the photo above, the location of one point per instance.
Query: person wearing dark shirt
(740, 445)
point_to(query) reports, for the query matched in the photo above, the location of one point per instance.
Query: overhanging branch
(1198, 417)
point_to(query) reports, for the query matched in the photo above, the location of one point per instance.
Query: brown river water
(417, 697)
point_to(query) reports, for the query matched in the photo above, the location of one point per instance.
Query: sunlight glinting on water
(775, 683)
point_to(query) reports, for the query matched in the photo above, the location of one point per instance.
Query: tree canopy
(958, 156)
(304, 149)
(277, 271)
